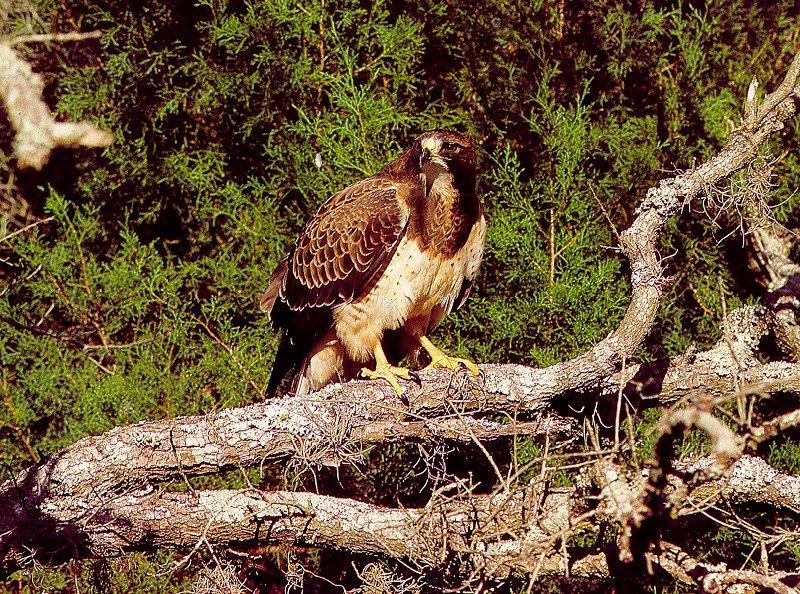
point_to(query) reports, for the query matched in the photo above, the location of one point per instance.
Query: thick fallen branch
(718, 578)
(731, 366)
(426, 537)
(334, 426)
(750, 480)
(335, 423)
(532, 521)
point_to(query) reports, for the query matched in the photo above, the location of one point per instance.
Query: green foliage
(785, 454)
(529, 456)
(543, 237)
(138, 299)
(132, 573)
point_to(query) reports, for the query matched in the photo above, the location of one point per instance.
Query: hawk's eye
(451, 147)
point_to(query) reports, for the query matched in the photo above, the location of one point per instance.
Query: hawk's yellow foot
(390, 373)
(439, 359)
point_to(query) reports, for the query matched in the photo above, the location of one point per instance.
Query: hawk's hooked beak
(429, 146)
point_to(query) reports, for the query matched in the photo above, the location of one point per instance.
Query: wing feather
(347, 243)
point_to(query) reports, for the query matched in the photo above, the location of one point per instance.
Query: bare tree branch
(718, 578)
(750, 480)
(467, 527)
(52, 37)
(730, 366)
(37, 131)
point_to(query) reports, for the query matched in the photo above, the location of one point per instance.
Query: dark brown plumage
(393, 252)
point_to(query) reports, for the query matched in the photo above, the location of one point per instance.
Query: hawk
(378, 267)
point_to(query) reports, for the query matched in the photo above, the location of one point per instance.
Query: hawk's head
(441, 164)
(446, 150)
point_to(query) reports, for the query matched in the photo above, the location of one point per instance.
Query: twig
(51, 37)
(26, 228)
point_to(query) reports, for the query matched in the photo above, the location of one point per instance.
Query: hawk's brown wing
(343, 248)
(348, 242)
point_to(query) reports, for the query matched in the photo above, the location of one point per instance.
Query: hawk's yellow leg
(439, 359)
(383, 370)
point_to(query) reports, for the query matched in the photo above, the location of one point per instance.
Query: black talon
(415, 378)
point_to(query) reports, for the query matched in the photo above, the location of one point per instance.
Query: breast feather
(417, 284)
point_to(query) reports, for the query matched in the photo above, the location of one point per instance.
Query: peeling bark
(531, 519)
(730, 366)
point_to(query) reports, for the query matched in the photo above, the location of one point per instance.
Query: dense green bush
(138, 300)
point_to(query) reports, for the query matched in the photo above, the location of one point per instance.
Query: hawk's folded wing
(343, 248)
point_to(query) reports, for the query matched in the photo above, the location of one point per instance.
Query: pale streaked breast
(414, 285)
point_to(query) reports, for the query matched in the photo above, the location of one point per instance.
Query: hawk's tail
(287, 361)
(300, 332)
